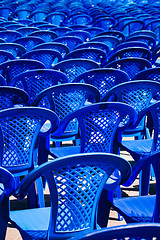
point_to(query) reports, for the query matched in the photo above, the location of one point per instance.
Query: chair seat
(65, 151)
(141, 147)
(139, 209)
(38, 221)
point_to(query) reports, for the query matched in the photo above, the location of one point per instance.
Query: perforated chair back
(103, 79)
(74, 67)
(130, 65)
(9, 35)
(19, 131)
(34, 81)
(46, 35)
(70, 41)
(149, 40)
(81, 176)
(110, 41)
(15, 49)
(25, 31)
(13, 97)
(5, 56)
(46, 56)
(131, 231)
(139, 52)
(98, 124)
(29, 42)
(11, 69)
(60, 47)
(95, 54)
(60, 31)
(98, 45)
(84, 35)
(66, 98)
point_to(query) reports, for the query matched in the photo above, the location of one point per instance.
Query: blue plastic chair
(131, 65)
(103, 78)
(130, 231)
(74, 67)
(14, 26)
(110, 41)
(29, 42)
(143, 32)
(141, 208)
(46, 56)
(98, 124)
(70, 41)
(13, 97)
(7, 186)
(115, 33)
(75, 184)
(9, 35)
(101, 46)
(5, 56)
(56, 18)
(25, 30)
(94, 31)
(11, 69)
(84, 35)
(95, 54)
(139, 52)
(60, 31)
(46, 35)
(104, 22)
(79, 19)
(34, 81)
(131, 26)
(15, 49)
(149, 40)
(60, 47)
(64, 99)
(38, 15)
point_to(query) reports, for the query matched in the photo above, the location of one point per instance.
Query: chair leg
(144, 181)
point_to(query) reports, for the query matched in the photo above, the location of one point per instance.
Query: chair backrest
(115, 33)
(94, 31)
(60, 47)
(19, 129)
(60, 31)
(56, 18)
(46, 35)
(98, 125)
(46, 56)
(135, 231)
(132, 26)
(75, 184)
(101, 46)
(70, 41)
(149, 74)
(11, 69)
(131, 65)
(66, 98)
(140, 52)
(15, 49)
(5, 56)
(149, 40)
(13, 97)
(9, 35)
(110, 41)
(25, 31)
(84, 35)
(103, 79)
(34, 81)
(74, 67)
(137, 94)
(29, 42)
(95, 54)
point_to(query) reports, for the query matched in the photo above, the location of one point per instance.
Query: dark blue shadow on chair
(46, 35)
(25, 31)
(135, 231)
(84, 35)
(110, 41)
(5, 56)
(10, 35)
(149, 40)
(74, 67)
(75, 184)
(46, 56)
